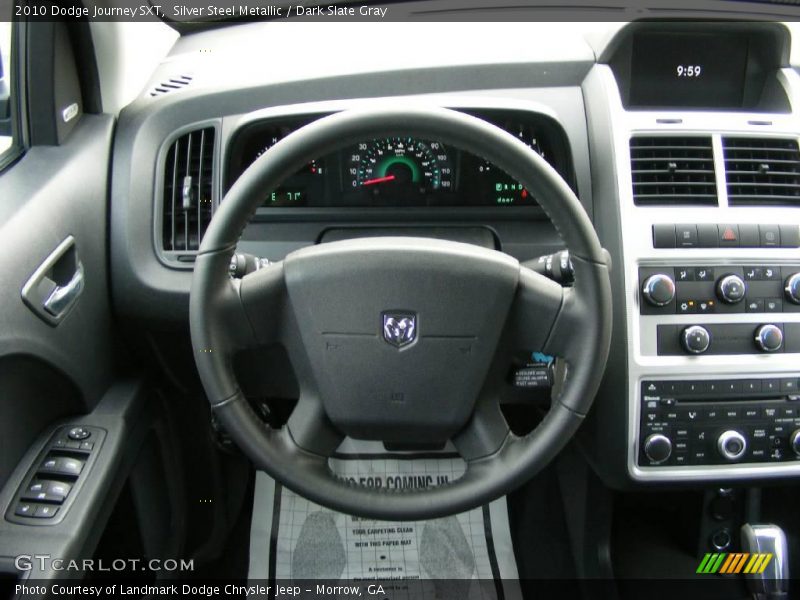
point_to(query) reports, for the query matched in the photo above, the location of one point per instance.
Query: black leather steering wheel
(344, 311)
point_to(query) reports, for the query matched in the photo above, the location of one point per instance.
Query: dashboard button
(772, 273)
(728, 236)
(751, 386)
(684, 274)
(732, 386)
(770, 236)
(772, 305)
(664, 236)
(751, 413)
(755, 306)
(771, 386)
(789, 385)
(753, 273)
(704, 274)
(706, 306)
(686, 236)
(707, 235)
(790, 236)
(748, 236)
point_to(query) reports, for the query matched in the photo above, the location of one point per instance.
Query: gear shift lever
(773, 583)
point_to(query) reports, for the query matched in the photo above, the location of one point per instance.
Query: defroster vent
(673, 170)
(762, 171)
(188, 190)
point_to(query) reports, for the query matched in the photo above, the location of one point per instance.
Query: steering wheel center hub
(400, 332)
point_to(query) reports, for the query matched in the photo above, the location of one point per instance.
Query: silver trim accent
(722, 443)
(767, 539)
(636, 223)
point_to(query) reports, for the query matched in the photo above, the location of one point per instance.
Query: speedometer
(399, 166)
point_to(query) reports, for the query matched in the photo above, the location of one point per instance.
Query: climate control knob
(731, 445)
(792, 288)
(695, 339)
(769, 338)
(659, 289)
(730, 289)
(794, 441)
(658, 448)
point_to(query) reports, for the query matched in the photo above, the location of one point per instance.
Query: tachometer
(398, 166)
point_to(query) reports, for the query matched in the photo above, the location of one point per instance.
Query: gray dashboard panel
(143, 287)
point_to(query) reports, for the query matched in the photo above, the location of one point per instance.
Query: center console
(709, 221)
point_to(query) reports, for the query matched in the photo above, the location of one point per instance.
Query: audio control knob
(794, 441)
(659, 289)
(658, 448)
(792, 288)
(730, 289)
(695, 339)
(769, 338)
(731, 445)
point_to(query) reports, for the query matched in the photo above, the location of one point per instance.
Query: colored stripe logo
(734, 562)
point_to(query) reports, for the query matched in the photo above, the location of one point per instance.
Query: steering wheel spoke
(485, 433)
(535, 310)
(263, 298)
(311, 429)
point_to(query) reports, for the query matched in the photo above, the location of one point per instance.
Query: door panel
(51, 370)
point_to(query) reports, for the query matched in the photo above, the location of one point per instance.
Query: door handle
(63, 296)
(56, 285)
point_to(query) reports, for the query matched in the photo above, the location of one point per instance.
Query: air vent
(170, 85)
(673, 170)
(762, 171)
(188, 187)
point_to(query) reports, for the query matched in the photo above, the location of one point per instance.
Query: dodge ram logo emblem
(399, 329)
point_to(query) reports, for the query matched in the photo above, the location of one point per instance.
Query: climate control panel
(719, 289)
(719, 422)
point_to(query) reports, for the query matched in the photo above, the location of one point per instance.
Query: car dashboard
(680, 139)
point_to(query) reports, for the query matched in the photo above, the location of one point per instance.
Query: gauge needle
(379, 180)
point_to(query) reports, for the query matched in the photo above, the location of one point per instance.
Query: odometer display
(398, 168)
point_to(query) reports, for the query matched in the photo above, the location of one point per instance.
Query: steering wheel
(400, 339)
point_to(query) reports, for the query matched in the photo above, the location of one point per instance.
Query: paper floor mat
(292, 538)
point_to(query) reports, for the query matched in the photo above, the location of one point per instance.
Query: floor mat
(294, 539)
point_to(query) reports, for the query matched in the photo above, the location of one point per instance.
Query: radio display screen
(694, 70)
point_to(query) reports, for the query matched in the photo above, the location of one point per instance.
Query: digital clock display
(692, 70)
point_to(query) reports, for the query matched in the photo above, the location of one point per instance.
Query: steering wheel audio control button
(659, 289)
(769, 338)
(658, 448)
(695, 339)
(731, 289)
(731, 445)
